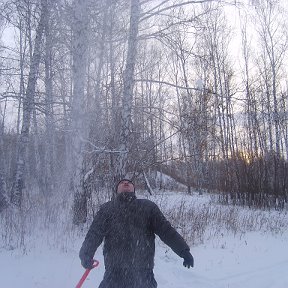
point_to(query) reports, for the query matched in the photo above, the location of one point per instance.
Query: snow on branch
(100, 149)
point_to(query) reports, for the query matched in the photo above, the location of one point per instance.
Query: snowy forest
(92, 91)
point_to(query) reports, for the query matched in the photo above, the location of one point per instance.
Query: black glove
(188, 259)
(87, 262)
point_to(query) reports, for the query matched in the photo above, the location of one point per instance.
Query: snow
(228, 260)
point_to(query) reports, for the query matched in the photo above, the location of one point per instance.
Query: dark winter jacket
(128, 228)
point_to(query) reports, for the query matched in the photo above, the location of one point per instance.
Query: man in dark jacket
(128, 226)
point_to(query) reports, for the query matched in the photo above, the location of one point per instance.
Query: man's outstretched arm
(171, 237)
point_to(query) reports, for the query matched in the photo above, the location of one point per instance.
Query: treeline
(252, 181)
(93, 90)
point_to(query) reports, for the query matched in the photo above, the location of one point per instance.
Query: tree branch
(168, 8)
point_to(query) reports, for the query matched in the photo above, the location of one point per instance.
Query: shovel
(84, 276)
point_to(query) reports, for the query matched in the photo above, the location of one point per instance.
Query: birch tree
(79, 123)
(28, 101)
(3, 192)
(3, 199)
(49, 153)
(273, 41)
(273, 45)
(128, 85)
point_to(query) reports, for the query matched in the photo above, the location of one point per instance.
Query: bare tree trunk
(127, 100)
(3, 195)
(79, 124)
(28, 101)
(49, 156)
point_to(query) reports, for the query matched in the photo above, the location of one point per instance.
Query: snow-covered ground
(250, 260)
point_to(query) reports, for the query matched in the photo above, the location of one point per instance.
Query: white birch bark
(49, 157)
(127, 100)
(18, 187)
(78, 118)
(3, 196)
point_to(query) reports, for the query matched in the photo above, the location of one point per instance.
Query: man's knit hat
(125, 179)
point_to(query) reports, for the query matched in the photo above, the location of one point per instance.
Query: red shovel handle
(84, 276)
